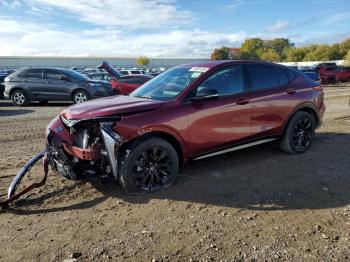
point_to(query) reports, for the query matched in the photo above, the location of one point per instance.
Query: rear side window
(34, 73)
(263, 77)
(54, 75)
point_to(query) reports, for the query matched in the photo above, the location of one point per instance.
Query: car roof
(213, 64)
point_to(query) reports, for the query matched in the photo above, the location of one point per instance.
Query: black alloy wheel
(302, 134)
(152, 169)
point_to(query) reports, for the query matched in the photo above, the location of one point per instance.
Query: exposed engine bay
(90, 149)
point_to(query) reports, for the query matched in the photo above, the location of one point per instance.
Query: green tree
(142, 60)
(347, 58)
(345, 46)
(280, 45)
(222, 53)
(270, 55)
(295, 54)
(252, 48)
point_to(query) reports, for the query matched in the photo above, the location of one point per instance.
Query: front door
(57, 85)
(218, 123)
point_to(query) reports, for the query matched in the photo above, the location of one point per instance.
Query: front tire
(148, 166)
(299, 133)
(80, 96)
(19, 98)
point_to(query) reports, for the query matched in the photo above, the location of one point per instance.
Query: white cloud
(232, 6)
(339, 17)
(11, 3)
(279, 26)
(23, 38)
(120, 13)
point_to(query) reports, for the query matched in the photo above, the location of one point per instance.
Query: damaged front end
(75, 148)
(85, 146)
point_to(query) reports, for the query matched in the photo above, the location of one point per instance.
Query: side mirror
(205, 94)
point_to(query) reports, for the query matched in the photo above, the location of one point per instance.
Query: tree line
(283, 50)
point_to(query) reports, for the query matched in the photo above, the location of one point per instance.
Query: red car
(187, 113)
(124, 85)
(332, 74)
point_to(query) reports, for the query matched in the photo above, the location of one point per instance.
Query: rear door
(271, 97)
(57, 85)
(33, 81)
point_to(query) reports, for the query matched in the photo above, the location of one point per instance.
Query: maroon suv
(189, 112)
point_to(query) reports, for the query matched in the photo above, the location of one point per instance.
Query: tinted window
(55, 75)
(226, 81)
(291, 75)
(34, 73)
(75, 75)
(263, 77)
(135, 72)
(124, 72)
(283, 77)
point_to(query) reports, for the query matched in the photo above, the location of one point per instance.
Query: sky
(163, 28)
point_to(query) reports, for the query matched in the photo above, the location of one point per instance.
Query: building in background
(83, 62)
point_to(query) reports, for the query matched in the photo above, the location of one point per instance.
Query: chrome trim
(18, 178)
(110, 148)
(235, 148)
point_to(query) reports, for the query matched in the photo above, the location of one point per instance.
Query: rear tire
(80, 96)
(150, 165)
(299, 133)
(19, 98)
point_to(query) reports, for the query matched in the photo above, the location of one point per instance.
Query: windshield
(169, 84)
(76, 76)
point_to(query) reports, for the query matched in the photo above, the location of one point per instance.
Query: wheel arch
(308, 108)
(17, 88)
(170, 138)
(76, 90)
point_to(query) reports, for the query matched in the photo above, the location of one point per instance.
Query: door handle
(242, 101)
(291, 91)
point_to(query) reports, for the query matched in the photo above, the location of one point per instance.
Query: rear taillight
(318, 88)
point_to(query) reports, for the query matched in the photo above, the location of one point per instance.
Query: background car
(311, 74)
(124, 84)
(100, 76)
(3, 75)
(53, 84)
(333, 74)
(132, 72)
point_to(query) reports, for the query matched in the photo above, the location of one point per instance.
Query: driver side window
(226, 81)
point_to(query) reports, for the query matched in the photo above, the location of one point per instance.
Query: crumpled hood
(113, 105)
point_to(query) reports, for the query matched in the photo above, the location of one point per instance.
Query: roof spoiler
(110, 70)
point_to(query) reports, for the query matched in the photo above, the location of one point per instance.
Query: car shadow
(15, 112)
(8, 103)
(258, 178)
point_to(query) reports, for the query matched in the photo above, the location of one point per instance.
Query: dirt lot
(255, 204)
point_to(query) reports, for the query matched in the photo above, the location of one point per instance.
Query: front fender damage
(71, 152)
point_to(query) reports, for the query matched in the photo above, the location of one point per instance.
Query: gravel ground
(255, 204)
